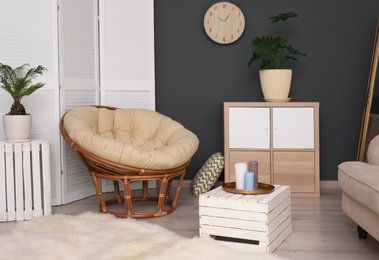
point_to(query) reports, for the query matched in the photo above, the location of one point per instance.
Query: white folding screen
(127, 53)
(28, 34)
(78, 34)
(116, 40)
(80, 39)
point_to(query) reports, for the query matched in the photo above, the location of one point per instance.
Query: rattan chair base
(165, 203)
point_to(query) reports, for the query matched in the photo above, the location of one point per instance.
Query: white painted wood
(36, 181)
(243, 224)
(127, 53)
(3, 185)
(46, 191)
(264, 221)
(249, 127)
(293, 127)
(28, 210)
(279, 239)
(26, 193)
(20, 44)
(18, 177)
(245, 215)
(9, 173)
(79, 65)
(278, 225)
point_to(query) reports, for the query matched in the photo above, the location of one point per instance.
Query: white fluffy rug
(102, 236)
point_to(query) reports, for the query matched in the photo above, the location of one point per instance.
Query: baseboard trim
(329, 184)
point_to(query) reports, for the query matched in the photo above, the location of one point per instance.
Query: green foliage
(274, 51)
(18, 83)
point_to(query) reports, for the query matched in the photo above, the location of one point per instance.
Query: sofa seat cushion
(373, 151)
(360, 181)
(134, 137)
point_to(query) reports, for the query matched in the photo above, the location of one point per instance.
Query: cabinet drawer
(296, 169)
(263, 159)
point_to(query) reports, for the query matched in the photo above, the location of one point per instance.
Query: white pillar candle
(240, 169)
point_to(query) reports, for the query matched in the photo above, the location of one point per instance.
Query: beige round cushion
(134, 137)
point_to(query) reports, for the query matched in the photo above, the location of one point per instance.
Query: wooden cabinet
(282, 137)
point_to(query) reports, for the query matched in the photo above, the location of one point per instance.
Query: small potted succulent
(18, 82)
(273, 52)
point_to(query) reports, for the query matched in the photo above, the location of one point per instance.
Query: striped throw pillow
(208, 174)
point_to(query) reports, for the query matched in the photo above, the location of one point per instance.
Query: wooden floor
(320, 229)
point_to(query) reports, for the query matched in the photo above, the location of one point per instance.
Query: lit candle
(240, 169)
(249, 181)
(253, 167)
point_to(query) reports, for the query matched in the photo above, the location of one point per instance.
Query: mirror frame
(369, 95)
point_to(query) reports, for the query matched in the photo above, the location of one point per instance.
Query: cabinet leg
(362, 233)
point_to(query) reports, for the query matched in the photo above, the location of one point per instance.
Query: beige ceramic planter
(276, 84)
(17, 128)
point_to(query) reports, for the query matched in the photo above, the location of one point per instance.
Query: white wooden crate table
(25, 188)
(254, 223)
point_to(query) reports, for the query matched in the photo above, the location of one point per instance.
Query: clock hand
(221, 20)
(227, 17)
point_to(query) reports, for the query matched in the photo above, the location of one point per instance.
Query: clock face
(224, 22)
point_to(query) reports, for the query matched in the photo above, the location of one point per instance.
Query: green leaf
(283, 17)
(18, 82)
(274, 51)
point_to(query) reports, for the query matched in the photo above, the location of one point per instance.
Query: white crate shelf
(253, 223)
(25, 188)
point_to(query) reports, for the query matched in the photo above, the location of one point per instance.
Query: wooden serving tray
(263, 188)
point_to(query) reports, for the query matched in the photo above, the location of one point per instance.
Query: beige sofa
(360, 191)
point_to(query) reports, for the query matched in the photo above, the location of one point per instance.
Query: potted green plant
(273, 52)
(18, 82)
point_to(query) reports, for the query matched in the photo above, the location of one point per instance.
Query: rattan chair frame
(100, 168)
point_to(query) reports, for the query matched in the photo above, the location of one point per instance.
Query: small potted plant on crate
(18, 82)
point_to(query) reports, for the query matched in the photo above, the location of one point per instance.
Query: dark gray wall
(194, 76)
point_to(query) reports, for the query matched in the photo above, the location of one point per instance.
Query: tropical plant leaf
(283, 17)
(18, 82)
(274, 51)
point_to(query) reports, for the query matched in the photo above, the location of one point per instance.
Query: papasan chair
(131, 145)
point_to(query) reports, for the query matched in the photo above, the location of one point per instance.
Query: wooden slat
(19, 191)
(46, 178)
(9, 173)
(27, 181)
(3, 201)
(279, 239)
(36, 180)
(244, 215)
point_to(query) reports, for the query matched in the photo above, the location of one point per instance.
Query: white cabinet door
(249, 127)
(293, 127)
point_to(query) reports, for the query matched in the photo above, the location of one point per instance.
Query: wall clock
(224, 22)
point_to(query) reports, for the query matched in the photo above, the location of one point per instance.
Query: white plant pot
(276, 84)
(17, 127)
